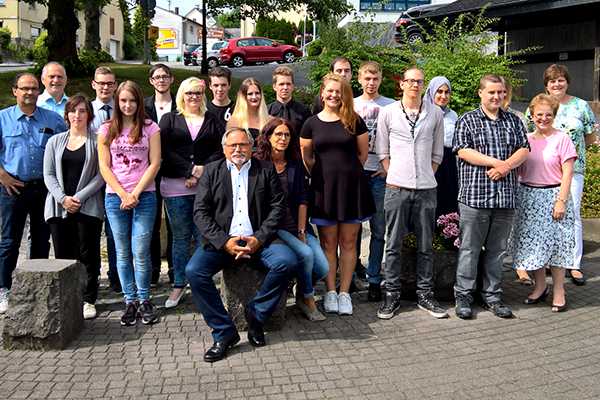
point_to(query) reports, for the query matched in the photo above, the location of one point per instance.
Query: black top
(72, 166)
(293, 111)
(150, 107)
(222, 112)
(341, 190)
(289, 222)
(180, 153)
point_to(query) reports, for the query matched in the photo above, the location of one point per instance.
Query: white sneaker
(330, 303)
(344, 304)
(4, 300)
(89, 311)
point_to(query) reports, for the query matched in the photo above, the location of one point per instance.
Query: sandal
(525, 281)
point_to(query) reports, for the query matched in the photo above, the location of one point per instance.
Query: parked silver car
(212, 54)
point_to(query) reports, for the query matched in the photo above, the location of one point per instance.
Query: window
(390, 5)
(245, 43)
(263, 42)
(111, 23)
(35, 32)
(2, 3)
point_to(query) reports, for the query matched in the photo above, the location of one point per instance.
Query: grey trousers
(486, 228)
(409, 211)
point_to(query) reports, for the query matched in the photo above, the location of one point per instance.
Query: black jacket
(213, 208)
(180, 153)
(295, 112)
(151, 109)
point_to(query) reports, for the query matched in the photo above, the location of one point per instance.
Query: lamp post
(204, 63)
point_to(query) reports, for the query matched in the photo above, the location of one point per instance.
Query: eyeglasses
(193, 94)
(234, 146)
(161, 78)
(411, 82)
(29, 89)
(106, 84)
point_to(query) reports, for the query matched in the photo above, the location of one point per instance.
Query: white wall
(168, 20)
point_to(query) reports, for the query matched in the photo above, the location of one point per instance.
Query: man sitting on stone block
(238, 206)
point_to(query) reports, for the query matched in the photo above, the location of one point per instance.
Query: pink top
(173, 187)
(129, 161)
(548, 154)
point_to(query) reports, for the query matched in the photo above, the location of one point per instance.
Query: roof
(183, 17)
(498, 8)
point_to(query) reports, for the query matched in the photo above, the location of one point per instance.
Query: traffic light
(148, 7)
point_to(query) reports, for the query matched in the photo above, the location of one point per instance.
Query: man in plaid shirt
(490, 143)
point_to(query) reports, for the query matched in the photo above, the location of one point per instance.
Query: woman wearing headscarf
(438, 93)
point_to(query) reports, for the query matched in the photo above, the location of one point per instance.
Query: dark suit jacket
(213, 208)
(298, 113)
(151, 109)
(180, 153)
(297, 191)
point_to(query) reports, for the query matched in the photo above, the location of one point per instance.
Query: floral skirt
(537, 240)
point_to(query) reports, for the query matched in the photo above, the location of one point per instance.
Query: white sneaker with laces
(330, 303)
(4, 300)
(89, 311)
(344, 304)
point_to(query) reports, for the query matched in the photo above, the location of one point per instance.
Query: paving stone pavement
(536, 355)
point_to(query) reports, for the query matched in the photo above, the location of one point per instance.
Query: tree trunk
(62, 24)
(92, 26)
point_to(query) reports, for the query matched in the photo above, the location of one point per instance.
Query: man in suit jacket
(238, 206)
(157, 105)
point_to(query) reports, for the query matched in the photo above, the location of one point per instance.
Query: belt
(541, 187)
(34, 183)
(389, 185)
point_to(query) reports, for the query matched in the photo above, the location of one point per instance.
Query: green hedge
(590, 205)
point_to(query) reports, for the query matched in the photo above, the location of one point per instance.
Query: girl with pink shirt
(544, 234)
(129, 158)
(191, 138)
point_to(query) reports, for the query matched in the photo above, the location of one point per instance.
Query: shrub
(40, 50)
(277, 29)
(590, 204)
(314, 48)
(5, 35)
(90, 60)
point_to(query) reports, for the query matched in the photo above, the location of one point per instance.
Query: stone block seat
(239, 285)
(45, 305)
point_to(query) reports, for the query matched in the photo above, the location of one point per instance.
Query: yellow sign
(153, 32)
(167, 39)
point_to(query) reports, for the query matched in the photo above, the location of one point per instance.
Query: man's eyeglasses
(161, 77)
(242, 146)
(411, 82)
(106, 84)
(29, 89)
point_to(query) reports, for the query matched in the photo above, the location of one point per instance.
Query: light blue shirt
(240, 223)
(100, 115)
(450, 118)
(23, 140)
(45, 100)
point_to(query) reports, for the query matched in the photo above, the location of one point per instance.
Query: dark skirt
(447, 181)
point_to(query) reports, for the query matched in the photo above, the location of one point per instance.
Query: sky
(184, 5)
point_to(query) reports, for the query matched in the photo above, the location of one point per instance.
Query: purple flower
(457, 243)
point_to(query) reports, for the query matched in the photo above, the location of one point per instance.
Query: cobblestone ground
(537, 355)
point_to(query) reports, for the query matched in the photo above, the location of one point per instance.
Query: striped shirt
(500, 139)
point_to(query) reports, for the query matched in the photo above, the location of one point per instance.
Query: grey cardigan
(90, 184)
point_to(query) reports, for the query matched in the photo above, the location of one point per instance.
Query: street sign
(153, 32)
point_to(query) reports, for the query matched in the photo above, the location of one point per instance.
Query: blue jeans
(180, 210)
(205, 263)
(310, 256)
(377, 226)
(13, 213)
(482, 227)
(132, 230)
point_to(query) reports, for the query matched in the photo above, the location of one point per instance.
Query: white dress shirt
(240, 223)
(100, 115)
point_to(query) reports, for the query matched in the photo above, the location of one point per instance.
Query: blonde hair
(187, 85)
(239, 117)
(543, 98)
(371, 67)
(346, 110)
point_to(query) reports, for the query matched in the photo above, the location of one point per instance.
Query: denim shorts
(331, 222)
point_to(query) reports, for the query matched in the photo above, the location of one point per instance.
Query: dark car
(406, 22)
(187, 52)
(257, 49)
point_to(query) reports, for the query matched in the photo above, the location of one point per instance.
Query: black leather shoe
(256, 333)
(463, 308)
(541, 297)
(374, 292)
(218, 350)
(577, 281)
(499, 309)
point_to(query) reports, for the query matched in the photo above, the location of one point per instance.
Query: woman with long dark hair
(129, 156)
(278, 143)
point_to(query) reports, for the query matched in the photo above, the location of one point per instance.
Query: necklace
(412, 118)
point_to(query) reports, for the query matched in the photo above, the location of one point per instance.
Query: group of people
(244, 182)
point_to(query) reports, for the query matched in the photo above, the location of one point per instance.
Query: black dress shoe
(541, 297)
(463, 308)
(256, 333)
(218, 350)
(577, 281)
(499, 309)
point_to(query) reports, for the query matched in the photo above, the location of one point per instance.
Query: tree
(140, 27)
(278, 29)
(130, 50)
(229, 19)
(322, 10)
(92, 9)
(61, 24)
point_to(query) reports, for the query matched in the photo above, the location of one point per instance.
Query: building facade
(25, 23)
(174, 32)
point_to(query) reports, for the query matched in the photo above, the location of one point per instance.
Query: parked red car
(257, 49)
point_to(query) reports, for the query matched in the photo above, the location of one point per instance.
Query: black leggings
(77, 237)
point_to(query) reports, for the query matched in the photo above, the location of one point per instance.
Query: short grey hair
(45, 69)
(237, 129)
